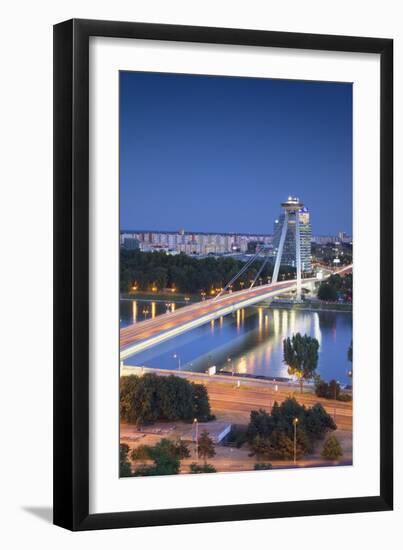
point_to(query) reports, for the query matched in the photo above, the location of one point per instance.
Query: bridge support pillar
(298, 255)
(280, 248)
(291, 207)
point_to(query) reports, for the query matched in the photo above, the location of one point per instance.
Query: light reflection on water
(250, 341)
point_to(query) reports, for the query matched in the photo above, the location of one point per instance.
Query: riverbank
(240, 380)
(312, 306)
(161, 297)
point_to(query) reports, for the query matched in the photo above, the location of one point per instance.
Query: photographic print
(236, 254)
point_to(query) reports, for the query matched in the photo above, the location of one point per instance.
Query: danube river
(249, 342)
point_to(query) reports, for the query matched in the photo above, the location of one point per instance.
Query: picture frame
(72, 274)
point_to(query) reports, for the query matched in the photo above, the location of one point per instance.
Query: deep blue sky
(219, 154)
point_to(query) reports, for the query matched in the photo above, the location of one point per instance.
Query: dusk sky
(207, 153)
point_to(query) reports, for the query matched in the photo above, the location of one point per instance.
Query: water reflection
(252, 338)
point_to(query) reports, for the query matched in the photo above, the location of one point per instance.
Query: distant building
(288, 255)
(324, 239)
(344, 237)
(194, 243)
(130, 243)
(253, 246)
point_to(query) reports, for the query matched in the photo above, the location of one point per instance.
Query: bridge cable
(264, 263)
(240, 272)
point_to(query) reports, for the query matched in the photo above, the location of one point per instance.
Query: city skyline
(191, 146)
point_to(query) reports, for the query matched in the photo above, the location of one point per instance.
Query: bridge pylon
(292, 207)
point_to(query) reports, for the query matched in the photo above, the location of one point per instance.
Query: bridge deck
(146, 329)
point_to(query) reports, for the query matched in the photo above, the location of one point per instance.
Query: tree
(201, 469)
(201, 404)
(317, 422)
(332, 449)
(263, 466)
(142, 452)
(350, 358)
(261, 423)
(327, 292)
(301, 355)
(128, 385)
(182, 449)
(205, 446)
(150, 397)
(164, 455)
(261, 447)
(125, 469)
(328, 390)
(321, 387)
(271, 436)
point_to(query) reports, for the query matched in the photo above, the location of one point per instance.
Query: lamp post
(229, 361)
(146, 312)
(295, 422)
(336, 383)
(275, 393)
(196, 424)
(176, 356)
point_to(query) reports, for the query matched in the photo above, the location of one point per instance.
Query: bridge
(145, 334)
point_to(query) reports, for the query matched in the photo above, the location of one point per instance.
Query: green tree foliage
(271, 436)
(200, 403)
(336, 286)
(201, 469)
(165, 455)
(332, 449)
(301, 355)
(185, 273)
(178, 449)
(142, 452)
(125, 469)
(263, 466)
(182, 449)
(327, 292)
(149, 398)
(328, 390)
(205, 446)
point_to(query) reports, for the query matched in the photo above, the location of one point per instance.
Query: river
(249, 342)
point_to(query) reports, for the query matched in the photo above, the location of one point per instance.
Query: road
(147, 329)
(138, 335)
(233, 405)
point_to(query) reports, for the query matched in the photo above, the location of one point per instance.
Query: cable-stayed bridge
(145, 334)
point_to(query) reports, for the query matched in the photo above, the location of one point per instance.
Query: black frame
(71, 274)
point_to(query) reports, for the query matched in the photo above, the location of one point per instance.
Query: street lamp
(295, 422)
(336, 383)
(176, 356)
(275, 390)
(146, 312)
(196, 424)
(229, 361)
